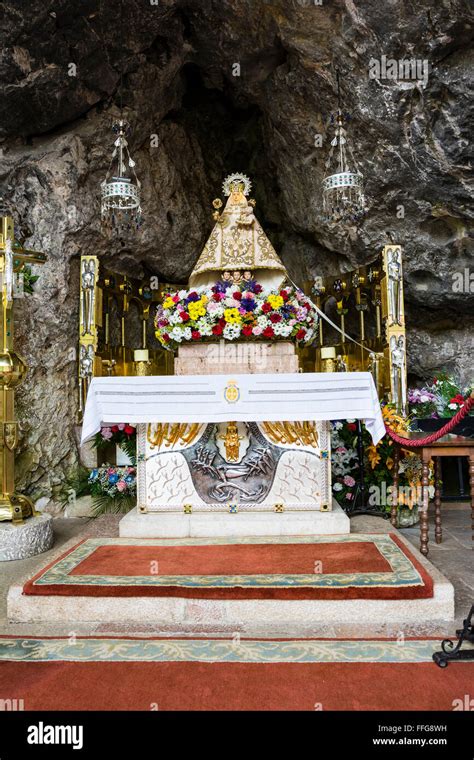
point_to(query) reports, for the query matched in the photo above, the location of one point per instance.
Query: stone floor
(454, 558)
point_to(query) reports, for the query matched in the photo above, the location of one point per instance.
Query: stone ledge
(212, 524)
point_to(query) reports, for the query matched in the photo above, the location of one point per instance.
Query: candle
(140, 355)
(328, 352)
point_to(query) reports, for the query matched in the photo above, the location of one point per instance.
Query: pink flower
(111, 471)
(121, 485)
(348, 495)
(257, 330)
(121, 425)
(349, 481)
(341, 450)
(106, 433)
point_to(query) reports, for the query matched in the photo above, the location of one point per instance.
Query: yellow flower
(373, 456)
(168, 303)
(204, 300)
(196, 309)
(232, 316)
(389, 463)
(275, 301)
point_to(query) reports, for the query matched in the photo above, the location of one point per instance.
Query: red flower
(237, 295)
(284, 295)
(257, 288)
(300, 334)
(217, 330)
(217, 297)
(195, 335)
(275, 318)
(247, 330)
(351, 426)
(166, 337)
(266, 307)
(268, 332)
(129, 430)
(457, 399)
(184, 316)
(114, 428)
(222, 322)
(175, 298)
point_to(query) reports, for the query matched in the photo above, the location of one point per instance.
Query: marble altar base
(258, 617)
(213, 524)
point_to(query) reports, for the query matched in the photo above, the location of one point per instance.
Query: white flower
(231, 331)
(337, 487)
(182, 294)
(176, 334)
(187, 333)
(262, 321)
(175, 318)
(337, 425)
(452, 406)
(204, 327)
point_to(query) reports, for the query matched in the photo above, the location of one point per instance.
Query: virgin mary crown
(238, 243)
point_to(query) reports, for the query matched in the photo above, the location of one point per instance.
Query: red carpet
(236, 686)
(336, 567)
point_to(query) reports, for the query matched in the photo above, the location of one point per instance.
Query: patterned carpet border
(404, 573)
(18, 649)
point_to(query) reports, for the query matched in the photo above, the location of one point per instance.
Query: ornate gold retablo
(238, 243)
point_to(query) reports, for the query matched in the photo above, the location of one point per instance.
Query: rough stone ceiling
(179, 56)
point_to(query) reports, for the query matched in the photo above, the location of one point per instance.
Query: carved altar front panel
(230, 466)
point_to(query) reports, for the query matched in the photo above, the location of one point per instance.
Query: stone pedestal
(225, 358)
(34, 536)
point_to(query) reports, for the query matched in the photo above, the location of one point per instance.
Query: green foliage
(103, 504)
(29, 279)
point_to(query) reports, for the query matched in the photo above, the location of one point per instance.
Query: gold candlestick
(13, 370)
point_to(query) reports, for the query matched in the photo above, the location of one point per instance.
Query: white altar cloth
(294, 397)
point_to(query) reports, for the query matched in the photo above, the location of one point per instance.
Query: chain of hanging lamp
(120, 190)
(343, 195)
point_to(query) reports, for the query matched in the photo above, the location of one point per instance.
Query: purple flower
(221, 286)
(248, 304)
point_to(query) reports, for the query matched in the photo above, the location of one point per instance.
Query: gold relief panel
(169, 434)
(292, 433)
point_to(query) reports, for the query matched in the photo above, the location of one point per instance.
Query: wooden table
(447, 446)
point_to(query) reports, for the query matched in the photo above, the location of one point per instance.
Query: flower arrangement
(114, 489)
(442, 397)
(232, 311)
(379, 464)
(123, 435)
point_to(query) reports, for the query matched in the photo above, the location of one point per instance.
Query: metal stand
(359, 504)
(453, 651)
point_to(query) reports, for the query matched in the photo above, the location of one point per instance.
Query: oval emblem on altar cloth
(231, 392)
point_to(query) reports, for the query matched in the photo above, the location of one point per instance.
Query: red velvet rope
(417, 442)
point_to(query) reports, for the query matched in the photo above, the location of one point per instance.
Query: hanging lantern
(120, 191)
(343, 194)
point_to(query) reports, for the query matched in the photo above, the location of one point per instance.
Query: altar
(246, 446)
